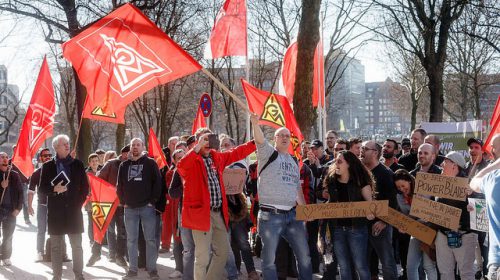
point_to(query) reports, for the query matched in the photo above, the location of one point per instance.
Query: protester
(434, 141)
(331, 139)
(24, 183)
(316, 158)
(138, 189)
(93, 162)
(116, 234)
(455, 247)
(389, 155)
(426, 157)
(355, 146)
(64, 203)
(100, 154)
(380, 233)
(405, 184)
(205, 206)
(487, 181)
(279, 191)
(348, 180)
(405, 147)
(109, 155)
(11, 203)
(409, 160)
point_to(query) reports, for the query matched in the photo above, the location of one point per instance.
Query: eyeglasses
(364, 148)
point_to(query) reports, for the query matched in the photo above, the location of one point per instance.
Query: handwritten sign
(234, 180)
(441, 186)
(342, 210)
(478, 216)
(410, 226)
(435, 212)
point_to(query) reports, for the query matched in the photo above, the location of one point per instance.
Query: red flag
(319, 76)
(94, 112)
(288, 72)
(122, 56)
(199, 121)
(274, 110)
(38, 123)
(155, 151)
(495, 129)
(229, 33)
(104, 202)
(496, 112)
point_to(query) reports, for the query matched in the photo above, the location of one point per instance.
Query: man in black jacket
(139, 188)
(64, 181)
(11, 203)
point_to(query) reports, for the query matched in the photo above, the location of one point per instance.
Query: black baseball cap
(475, 140)
(316, 143)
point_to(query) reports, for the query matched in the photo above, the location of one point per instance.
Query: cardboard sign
(478, 216)
(234, 180)
(441, 186)
(410, 226)
(435, 212)
(342, 210)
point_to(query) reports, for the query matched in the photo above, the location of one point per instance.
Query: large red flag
(122, 56)
(104, 202)
(288, 72)
(229, 33)
(495, 129)
(155, 151)
(199, 121)
(94, 112)
(38, 123)
(496, 112)
(275, 111)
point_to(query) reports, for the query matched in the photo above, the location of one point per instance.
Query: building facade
(10, 118)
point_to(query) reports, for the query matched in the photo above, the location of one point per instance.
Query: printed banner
(342, 210)
(435, 212)
(441, 186)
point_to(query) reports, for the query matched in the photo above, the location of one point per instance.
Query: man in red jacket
(204, 203)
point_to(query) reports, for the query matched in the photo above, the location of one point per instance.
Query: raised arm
(257, 130)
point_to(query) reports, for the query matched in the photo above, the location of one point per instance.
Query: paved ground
(24, 265)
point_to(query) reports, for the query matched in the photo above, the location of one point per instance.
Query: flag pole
(78, 133)
(226, 90)
(247, 75)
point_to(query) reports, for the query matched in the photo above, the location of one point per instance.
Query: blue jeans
(270, 227)
(187, 254)
(417, 257)
(41, 219)
(26, 214)
(351, 244)
(147, 216)
(381, 243)
(239, 233)
(159, 224)
(232, 271)
(8, 225)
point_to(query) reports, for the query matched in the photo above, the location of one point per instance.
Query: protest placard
(435, 212)
(234, 180)
(410, 226)
(441, 186)
(478, 216)
(342, 210)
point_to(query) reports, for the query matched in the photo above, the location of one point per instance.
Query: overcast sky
(23, 50)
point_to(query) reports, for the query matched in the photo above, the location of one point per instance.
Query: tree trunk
(120, 137)
(435, 76)
(306, 43)
(414, 107)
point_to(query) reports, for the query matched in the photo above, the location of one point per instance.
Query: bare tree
(9, 111)
(421, 28)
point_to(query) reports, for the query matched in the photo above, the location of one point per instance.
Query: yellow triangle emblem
(100, 211)
(273, 112)
(99, 112)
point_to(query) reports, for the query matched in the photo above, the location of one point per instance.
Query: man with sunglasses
(41, 212)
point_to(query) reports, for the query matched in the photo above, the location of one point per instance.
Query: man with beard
(64, 181)
(409, 160)
(434, 141)
(331, 139)
(388, 153)
(11, 204)
(138, 189)
(477, 161)
(316, 158)
(426, 157)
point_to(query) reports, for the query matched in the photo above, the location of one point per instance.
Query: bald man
(436, 143)
(487, 181)
(426, 157)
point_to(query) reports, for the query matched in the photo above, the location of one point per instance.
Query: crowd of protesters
(184, 208)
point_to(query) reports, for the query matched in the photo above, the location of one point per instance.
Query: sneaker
(93, 259)
(39, 257)
(154, 275)
(175, 274)
(253, 275)
(112, 259)
(163, 250)
(130, 275)
(66, 259)
(28, 222)
(7, 262)
(121, 261)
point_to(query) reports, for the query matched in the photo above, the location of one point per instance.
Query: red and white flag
(94, 112)
(318, 93)
(229, 33)
(122, 56)
(38, 123)
(495, 126)
(155, 151)
(104, 201)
